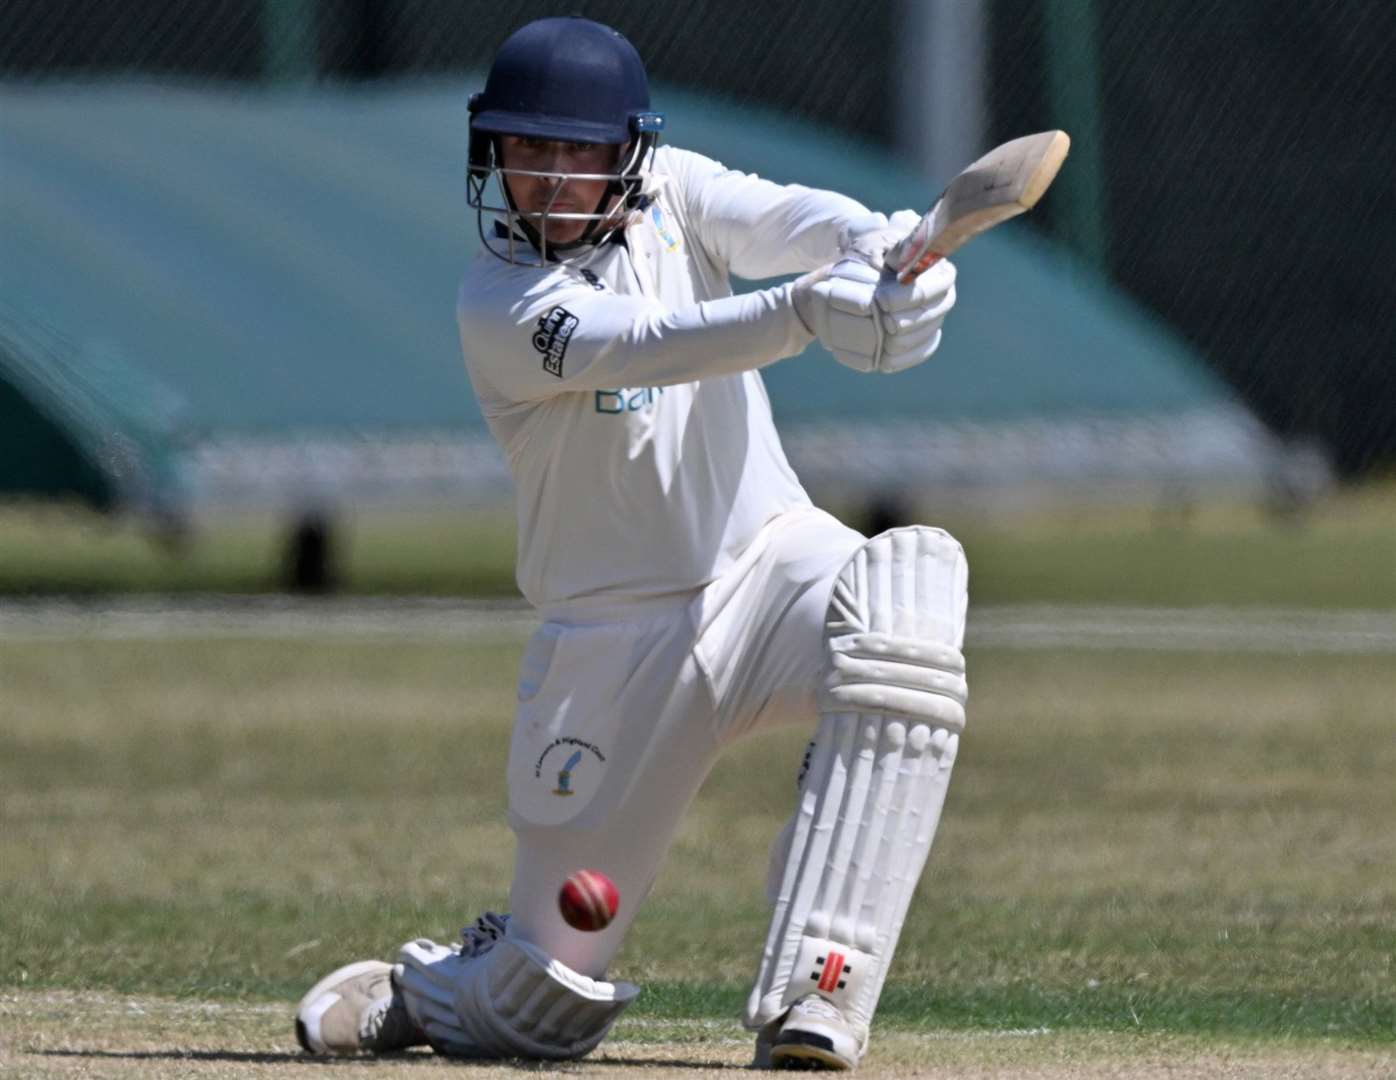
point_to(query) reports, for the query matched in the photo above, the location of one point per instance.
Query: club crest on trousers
(567, 770)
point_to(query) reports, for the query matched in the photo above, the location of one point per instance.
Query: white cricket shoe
(812, 1035)
(356, 1009)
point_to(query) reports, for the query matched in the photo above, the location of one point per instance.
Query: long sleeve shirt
(623, 385)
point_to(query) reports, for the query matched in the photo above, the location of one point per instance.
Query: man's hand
(836, 305)
(870, 322)
(912, 314)
(868, 239)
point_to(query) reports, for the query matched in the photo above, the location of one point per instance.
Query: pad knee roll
(895, 627)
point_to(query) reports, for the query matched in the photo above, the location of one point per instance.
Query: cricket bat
(1002, 184)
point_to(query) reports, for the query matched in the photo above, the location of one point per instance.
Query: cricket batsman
(690, 593)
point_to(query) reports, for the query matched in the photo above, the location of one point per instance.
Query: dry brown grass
(1153, 847)
(56, 1034)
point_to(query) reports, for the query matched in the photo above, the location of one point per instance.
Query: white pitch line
(1214, 629)
(262, 617)
(1282, 631)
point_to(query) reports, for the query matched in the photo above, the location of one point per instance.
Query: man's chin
(569, 236)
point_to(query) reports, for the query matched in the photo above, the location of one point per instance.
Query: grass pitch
(59, 1034)
(1149, 864)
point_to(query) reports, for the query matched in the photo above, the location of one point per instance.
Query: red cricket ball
(588, 900)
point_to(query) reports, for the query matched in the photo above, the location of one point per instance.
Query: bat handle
(919, 267)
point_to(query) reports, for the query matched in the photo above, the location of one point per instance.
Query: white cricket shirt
(623, 387)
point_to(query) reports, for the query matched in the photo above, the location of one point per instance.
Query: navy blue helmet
(572, 80)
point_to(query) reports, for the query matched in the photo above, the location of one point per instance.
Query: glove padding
(871, 322)
(911, 316)
(868, 239)
(836, 305)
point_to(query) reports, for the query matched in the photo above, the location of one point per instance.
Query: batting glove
(837, 305)
(867, 239)
(910, 316)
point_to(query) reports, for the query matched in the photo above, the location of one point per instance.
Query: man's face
(535, 194)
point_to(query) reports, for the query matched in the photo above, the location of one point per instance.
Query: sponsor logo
(828, 977)
(569, 766)
(671, 242)
(595, 282)
(554, 331)
(615, 402)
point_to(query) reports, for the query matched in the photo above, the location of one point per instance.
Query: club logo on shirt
(554, 332)
(671, 242)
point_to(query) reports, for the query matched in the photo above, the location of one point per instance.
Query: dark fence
(1250, 157)
(823, 59)
(1249, 149)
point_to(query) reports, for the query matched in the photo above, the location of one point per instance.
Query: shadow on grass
(652, 1063)
(258, 1057)
(243, 1057)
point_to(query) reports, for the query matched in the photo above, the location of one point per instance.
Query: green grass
(60, 1034)
(46, 551)
(1346, 558)
(1342, 553)
(1181, 843)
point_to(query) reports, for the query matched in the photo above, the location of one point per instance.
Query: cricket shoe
(812, 1035)
(482, 935)
(356, 1009)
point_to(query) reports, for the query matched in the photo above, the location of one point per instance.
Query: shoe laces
(386, 1022)
(820, 1008)
(480, 937)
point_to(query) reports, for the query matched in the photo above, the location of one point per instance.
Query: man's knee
(895, 627)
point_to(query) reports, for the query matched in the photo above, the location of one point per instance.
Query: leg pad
(891, 713)
(511, 1001)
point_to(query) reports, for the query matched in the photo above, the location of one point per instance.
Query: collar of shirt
(615, 236)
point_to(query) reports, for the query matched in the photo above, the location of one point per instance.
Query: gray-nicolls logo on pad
(551, 338)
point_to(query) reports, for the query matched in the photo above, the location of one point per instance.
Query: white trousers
(623, 712)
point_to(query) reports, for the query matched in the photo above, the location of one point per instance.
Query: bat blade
(1002, 184)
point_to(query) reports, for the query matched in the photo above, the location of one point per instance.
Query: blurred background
(231, 232)
(1162, 422)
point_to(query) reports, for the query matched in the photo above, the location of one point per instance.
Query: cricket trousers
(624, 710)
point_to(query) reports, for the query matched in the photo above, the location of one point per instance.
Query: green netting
(289, 260)
(82, 422)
